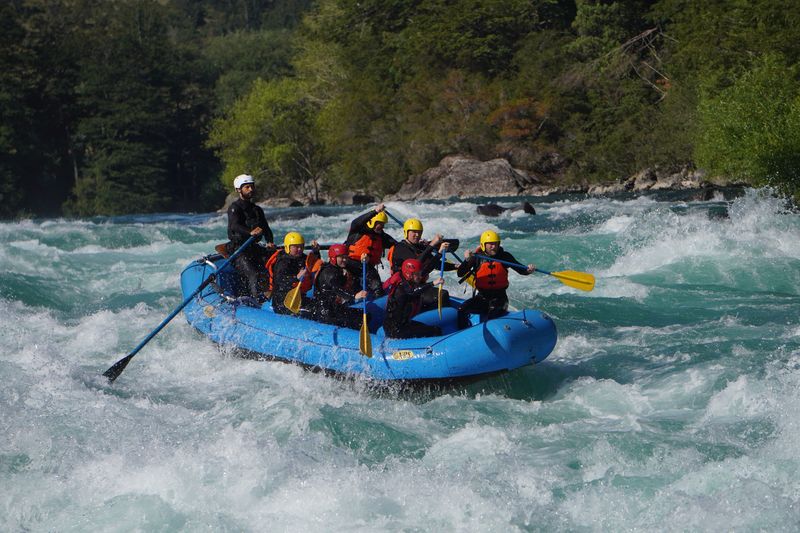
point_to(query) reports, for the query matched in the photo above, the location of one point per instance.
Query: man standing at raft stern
(245, 218)
(491, 279)
(367, 237)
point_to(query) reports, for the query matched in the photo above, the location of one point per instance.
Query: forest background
(120, 106)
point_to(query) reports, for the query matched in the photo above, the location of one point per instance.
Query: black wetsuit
(490, 303)
(431, 260)
(284, 273)
(402, 305)
(332, 297)
(243, 217)
(358, 228)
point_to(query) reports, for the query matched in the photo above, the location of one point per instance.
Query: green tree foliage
(115, 101)
(751, 130)
(110, 102)
(241, 57)
(15, 117)
(37, 104)
(269, 134)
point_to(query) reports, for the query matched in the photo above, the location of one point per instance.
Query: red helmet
(335, 251)
(409, 267)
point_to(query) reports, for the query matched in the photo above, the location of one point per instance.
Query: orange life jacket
(491, 275)
(370, 244)
(313, 264)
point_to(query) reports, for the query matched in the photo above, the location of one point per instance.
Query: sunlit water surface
(670, 402)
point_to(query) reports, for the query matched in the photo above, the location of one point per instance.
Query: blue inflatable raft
(515, 340)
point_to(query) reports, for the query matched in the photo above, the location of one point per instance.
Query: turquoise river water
(670, 402)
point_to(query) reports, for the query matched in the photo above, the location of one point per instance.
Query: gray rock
(493, 210)
(658, 179)
(353, 198)
(460, 176)
(490, 210)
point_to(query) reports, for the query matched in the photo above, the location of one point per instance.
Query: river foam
(669, 402)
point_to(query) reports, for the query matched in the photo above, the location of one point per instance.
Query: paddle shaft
(364, 283)
(441, 274)
(466, 276)
(571, 278)
(364, 340)
(115, 370)
(510, 263)
(393, 217)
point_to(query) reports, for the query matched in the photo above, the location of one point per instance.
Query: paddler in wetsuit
(413, 247)
(291, 266)
(245, 218)
(334, 290)
(491, 278)
(367, 237)
(404, 303)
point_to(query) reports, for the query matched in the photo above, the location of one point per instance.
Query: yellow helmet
(380, 217)
(292, 238)
(412, 224)
(489, 236)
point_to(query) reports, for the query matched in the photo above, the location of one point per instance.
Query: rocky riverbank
(466, 177)
(462, 176)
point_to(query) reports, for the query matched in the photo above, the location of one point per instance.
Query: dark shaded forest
(121, 106)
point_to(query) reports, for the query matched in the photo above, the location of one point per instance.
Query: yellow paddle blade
(364, 340)
(578, 280)
(293, 300)
(440, 301)
(471, 280)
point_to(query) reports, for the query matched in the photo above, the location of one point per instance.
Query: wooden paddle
(364, 340)
(117, 368)
(571, 278)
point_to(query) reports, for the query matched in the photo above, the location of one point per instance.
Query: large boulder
(460, 176)
(353, 198)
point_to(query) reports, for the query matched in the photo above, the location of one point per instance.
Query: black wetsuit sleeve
(419, 290)
(505, 256)
(466, 266)
(430, 260)
(388, 240)
(359, 224)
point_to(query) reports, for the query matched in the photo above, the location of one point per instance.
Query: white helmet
(243, 179)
